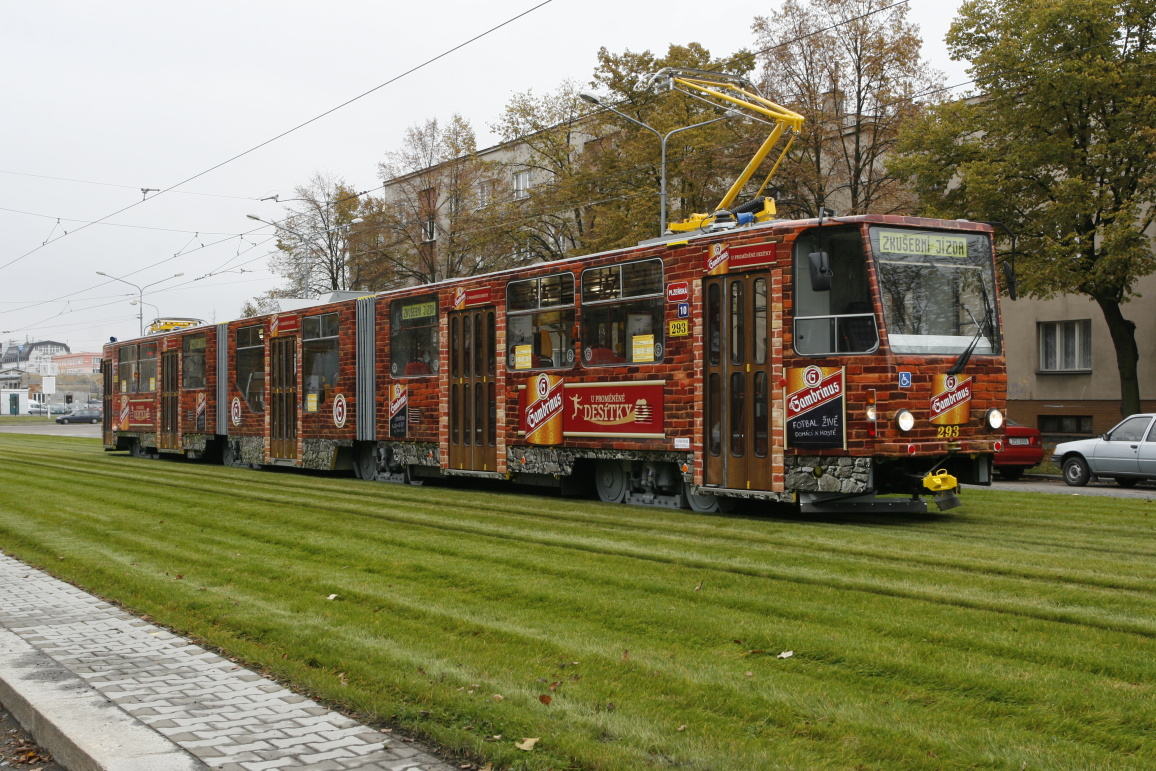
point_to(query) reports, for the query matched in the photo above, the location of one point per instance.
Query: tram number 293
(947, 432)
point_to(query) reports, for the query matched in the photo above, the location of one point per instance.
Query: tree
(441, 214)
(624, 163)
(1057, 147)
(551, 132)
(851, 68)
(312, 236)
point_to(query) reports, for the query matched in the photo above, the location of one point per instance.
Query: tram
(825, 363)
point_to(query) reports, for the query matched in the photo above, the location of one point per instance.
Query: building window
(485, 193)
(193, 362)
(540, 322)
(1065, 424)
(414, 336)
(521, 184)
(1065, 346)
(319, 347)
(429, 230)
(250, 369)
(622, 314)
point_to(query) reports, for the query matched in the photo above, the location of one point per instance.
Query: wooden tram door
(737, 389)
(473, 397)
(170, 400)
(283, 408)
(108, 368)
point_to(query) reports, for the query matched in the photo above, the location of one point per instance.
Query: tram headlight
(994, 419)
(905, 420)
(871, 415)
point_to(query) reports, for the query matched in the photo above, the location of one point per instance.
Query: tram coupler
(945, 486)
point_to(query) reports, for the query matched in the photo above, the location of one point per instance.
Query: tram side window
(147, 368)
(319, 348)
(622, 314)
(126, 369)
(193, 362)
(250, 369)
(839, 318)
(414, 337)
(540, 322)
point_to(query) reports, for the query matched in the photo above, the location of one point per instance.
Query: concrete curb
(82, 729)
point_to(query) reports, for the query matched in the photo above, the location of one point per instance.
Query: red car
(1022, 449)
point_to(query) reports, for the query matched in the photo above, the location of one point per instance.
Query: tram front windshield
(938, 290)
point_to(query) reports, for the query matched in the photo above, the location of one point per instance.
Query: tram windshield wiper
(965, 354)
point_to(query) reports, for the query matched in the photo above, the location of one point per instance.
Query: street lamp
(662, 139)
(140, 295)
(140, 302)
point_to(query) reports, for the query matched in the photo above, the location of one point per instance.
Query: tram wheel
(365, 462)
(611, 481)
(703, 503)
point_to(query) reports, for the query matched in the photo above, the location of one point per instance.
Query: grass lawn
(25, 420)
(1015, 631)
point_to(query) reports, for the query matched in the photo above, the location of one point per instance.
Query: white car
(1127, 453)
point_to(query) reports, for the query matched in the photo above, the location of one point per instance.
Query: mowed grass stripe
(650, 676)
(1050, 604)
(827, 706)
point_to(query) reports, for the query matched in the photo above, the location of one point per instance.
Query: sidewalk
(101, 689)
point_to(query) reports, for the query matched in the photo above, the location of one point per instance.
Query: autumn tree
(441, 213)
(550, 132)
(311, 238)
(1057, 146)
(852, 69)
(625, 170)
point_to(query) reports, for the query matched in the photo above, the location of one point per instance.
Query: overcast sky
(103, 99)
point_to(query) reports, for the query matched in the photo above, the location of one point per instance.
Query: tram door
(283, 409)
(738, 382)
(107, 367)
(170, 401)
(473, 397)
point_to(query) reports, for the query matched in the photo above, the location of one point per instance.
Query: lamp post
(141, 302)
(662, 141)
(140, 295)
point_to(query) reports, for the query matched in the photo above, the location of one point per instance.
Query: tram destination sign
(922, 244)
(816, 407)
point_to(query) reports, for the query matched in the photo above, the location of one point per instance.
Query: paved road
(1055, 485)
(51, 428)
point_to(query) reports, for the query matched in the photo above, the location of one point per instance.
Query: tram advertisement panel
(552, 408)
(950, 400)
(398, 410)
(816, 409)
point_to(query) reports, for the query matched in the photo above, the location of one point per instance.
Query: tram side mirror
(820, 263)
(1009, 279)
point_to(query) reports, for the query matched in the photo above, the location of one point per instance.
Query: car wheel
(1126, 482)
(1011, 473)
(1076, 472)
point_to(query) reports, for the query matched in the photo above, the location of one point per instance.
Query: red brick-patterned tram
(819, 362)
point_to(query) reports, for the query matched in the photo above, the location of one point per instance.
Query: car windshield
(938, 290)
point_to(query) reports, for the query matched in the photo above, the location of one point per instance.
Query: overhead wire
(289, 131)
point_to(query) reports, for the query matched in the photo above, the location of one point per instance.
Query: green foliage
(1015, 632)
(1056, 146)
(852, 69)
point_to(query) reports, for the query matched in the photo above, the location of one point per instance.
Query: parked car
(82, 416)
(48, 409)
(1127, 453)
(1022, 449)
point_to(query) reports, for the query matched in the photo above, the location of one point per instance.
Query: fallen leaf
(331, 597)
(526, 744)
(545, 699)
(626, 655)
(682, 727)
(179, 576)
(343, 678)
(749, 673)
(497, 697)
(698, 588)
(786, 654)
(555, 685)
